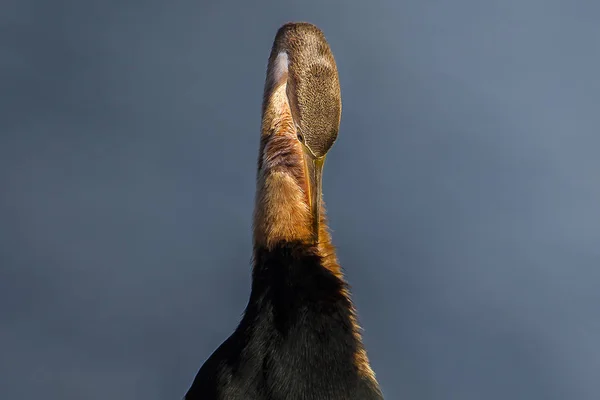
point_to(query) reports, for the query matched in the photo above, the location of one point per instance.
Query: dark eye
(300, 138)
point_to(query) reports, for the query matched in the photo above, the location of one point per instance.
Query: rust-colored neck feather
(282, 210)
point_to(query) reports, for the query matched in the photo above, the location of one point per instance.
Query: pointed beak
(314, 173)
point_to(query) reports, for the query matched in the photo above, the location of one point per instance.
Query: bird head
(301, 58)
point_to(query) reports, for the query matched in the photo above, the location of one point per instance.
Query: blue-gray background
(464, 191)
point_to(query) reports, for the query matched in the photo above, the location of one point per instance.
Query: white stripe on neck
(280, 67)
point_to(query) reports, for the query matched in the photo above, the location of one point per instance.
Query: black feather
(295, 341)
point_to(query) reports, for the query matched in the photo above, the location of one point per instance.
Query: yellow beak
(314, 172)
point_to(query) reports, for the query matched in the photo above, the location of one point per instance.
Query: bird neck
(281, 212)
(281, 215)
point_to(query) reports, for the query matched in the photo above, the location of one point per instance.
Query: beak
(314, 173)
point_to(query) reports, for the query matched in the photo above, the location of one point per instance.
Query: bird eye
(300, 138)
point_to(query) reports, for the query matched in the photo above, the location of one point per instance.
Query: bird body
(298, 338)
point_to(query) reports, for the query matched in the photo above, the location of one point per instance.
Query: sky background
(463, 191)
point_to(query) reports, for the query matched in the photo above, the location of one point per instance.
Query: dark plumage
(295, 341)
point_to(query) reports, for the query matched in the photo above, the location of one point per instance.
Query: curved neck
(281, 210)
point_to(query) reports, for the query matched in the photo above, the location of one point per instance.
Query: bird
(298, 338)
